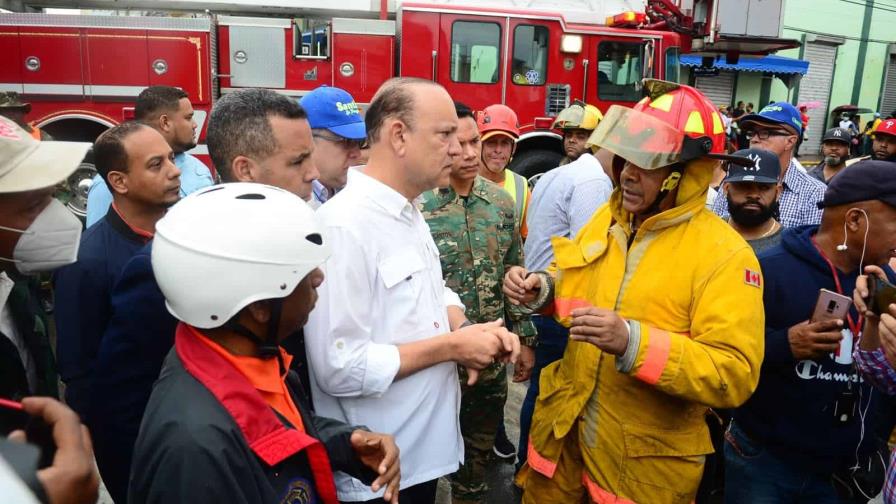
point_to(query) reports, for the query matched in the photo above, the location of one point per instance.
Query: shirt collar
(319, 191)
(118, 222)
(263, 374)
(793, 178)
(393, 202)
(480, 189)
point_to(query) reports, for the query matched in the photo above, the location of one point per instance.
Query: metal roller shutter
(888, 99)
(718, 88)
(816, 85)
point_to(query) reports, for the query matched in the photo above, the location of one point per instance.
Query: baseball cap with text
(27, 164)
(764, 169)
(837, 135)
(776, 113)
(334, 109)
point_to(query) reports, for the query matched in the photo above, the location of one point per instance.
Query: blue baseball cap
(334, 109)
(777, 113)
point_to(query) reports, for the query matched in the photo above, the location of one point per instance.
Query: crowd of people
(328, 313)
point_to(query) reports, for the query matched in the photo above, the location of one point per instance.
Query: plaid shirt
(875, 368)
(799, 198)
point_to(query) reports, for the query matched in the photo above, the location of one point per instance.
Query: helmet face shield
(640, 139)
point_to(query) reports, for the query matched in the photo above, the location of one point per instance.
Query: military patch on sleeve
(752, 278)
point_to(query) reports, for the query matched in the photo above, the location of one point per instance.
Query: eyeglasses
(345, 143)
(765, 134)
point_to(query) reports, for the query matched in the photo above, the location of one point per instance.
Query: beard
(833, 160)
(875, 156)
(748, 217)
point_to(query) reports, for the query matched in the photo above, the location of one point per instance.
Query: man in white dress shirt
(386, 333)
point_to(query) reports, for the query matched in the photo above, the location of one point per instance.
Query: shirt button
(340, 345)
(436, 324)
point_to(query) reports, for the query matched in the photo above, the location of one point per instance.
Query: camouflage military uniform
(478, 241)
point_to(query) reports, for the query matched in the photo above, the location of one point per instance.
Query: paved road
(500, 475)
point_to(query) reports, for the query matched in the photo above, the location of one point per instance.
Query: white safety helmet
(227, 246)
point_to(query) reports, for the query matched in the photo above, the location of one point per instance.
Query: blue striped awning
(771, 64)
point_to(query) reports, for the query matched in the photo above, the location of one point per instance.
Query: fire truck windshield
(619, 71)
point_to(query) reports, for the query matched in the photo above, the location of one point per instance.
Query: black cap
(764, 167)
(866, 180)
(838, 135)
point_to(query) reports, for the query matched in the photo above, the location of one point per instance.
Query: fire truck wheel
(535, 162)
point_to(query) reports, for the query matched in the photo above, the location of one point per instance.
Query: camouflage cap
(11, 99)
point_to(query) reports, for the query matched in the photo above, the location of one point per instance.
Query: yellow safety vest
(516, 184)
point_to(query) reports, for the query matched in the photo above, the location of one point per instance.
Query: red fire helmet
(498, 120)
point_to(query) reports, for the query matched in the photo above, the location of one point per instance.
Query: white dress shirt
(383, 288)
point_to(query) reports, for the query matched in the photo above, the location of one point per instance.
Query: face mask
(833, 160)
(50, 241)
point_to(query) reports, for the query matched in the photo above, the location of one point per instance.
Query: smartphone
(830, 306)
(881, 294)
(38, 433)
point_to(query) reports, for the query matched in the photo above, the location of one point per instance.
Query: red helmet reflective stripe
(686, 109)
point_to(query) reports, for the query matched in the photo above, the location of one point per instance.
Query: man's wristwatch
(545, 293)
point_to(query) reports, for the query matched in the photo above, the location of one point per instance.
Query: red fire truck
(82, 72)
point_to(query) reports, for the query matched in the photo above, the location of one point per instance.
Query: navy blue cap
(867, 180)
(764, 169)
(334, 109)
(777, 113)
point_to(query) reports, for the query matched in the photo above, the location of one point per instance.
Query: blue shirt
(194, 175)
(799, 199)
(319, 194)
(563, 200)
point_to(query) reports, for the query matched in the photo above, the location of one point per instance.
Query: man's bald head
(395, 99)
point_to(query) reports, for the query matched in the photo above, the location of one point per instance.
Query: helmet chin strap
(268, 346)
(669, 185)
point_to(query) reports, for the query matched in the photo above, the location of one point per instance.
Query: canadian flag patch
(752, 278)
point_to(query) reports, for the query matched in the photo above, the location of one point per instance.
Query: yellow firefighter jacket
(691, 289)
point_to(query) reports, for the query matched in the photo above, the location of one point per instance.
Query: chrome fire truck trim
(253, 21)
(363, 26)
(122, 22)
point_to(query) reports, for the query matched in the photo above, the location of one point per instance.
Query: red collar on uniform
(268, 438)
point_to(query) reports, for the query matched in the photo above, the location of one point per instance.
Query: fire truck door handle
(585, 81)
(434, 65)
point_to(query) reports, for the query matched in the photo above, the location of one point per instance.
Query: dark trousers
(552, 339)
(421, 493)
(755, 475)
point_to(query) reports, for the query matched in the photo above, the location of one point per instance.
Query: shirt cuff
(383, 362)
(626, 361)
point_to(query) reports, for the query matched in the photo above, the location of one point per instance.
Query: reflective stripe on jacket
(690, 287)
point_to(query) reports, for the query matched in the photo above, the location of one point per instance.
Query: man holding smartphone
(811, 417)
